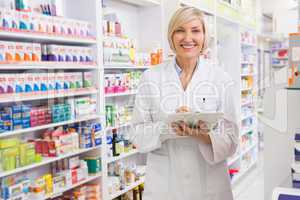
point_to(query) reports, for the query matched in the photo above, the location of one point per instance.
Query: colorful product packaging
(19, 52)
(37, 52)
(51, 81)
(20, 85)
(9, 51)
(2, 52)
(44, 82)
(76, 54)
(78, 79)
(56, 25)
(87, 79)
(69, 54)
(29, 82)
(36, 82)
(94, 164)
(11, 83)
(4, 23)
(28, 53)
(24, 21)
(3, 83)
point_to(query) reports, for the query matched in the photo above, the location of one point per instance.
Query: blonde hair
(184, 15)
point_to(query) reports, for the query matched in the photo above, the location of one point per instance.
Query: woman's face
(188, 39)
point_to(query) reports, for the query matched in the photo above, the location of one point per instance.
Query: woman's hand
(200, 131)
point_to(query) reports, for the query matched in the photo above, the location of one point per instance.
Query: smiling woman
(185, 162)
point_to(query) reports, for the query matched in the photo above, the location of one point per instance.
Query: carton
(36, 52)
(2, 51)
(24, 21)
(28, 52)
(10, 51)
(20, 52)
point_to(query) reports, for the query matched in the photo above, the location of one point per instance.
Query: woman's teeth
(188, 46)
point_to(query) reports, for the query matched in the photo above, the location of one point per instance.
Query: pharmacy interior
(69, 73)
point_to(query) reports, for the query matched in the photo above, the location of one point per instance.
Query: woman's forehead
(195, 22)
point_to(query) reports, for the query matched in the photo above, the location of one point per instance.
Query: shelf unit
(52, 125)
(70, 10)
(47, 161)
(128, 188)
(129, 93)
(90, 178)
(279, 54)
(46, 65)
(123, 155)
(45, 38)
(135, 18)
(248, 125)
(8, 98)
(244, 95)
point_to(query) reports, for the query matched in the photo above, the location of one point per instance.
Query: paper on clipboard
(194, 117)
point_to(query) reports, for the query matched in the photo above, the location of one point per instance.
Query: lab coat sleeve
(146, 134)
(224, 140)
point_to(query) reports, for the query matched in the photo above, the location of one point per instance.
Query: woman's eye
(179, 31)
(196, 31)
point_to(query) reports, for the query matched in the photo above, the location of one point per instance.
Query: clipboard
(192, 118)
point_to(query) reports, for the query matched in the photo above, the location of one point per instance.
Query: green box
(94, 164)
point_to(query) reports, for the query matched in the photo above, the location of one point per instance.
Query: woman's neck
(187, 65)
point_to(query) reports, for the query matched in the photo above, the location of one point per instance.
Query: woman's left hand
(200, 131)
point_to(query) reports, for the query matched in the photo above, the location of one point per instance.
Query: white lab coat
(181, 168)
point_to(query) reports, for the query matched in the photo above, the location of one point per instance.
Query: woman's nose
(188, 37)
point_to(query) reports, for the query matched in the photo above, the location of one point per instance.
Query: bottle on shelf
(136, 193)
(115, 143)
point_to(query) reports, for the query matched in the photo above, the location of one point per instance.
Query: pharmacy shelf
(128, 188)
(247, 63)
(245, 131)
(45, 38)
(45, 65)
(243, 117)
(246, 103)
(124, 66)
(279, 49)
(248, 44)
(126, 125)
(243, 172)
(278, 66)
(7, 98)
(143, 3)
(249, 148)
(129, 93)
(122, 156)
(246, 89)
(247, 74)
(280, 58)
(37, 128)
(46, 161)
(297, 146)
(87, 180)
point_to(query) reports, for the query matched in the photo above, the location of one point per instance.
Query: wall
(284, 12)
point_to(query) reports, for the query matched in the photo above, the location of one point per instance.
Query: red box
(51, 149)
(38, 146)
(45, 149)
(74, 176)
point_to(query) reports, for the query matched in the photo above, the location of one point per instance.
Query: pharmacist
(185, 162)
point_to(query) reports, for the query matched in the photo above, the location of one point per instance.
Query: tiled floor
(251, 186)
